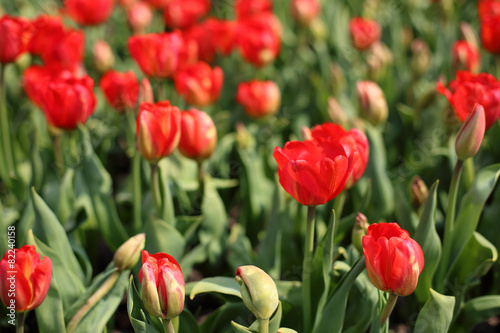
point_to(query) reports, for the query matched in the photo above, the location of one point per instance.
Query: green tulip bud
(470, 136)
(359, 230)
(129, 252)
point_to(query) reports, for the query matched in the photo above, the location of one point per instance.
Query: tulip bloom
(162, 284)
(184, 13)
(352, 140)
(199, 84)
(466, 56)
(259, 98)
(15, 36)
(393, 260)
(364, 32)
(488, 7)
(30, 275)
(198, 135)
(158, 130)
(121, 89)
(89, 12)
(259, 39)
(304, 11)
(313, 172)
(46, 29)
(490, 28)
(468, 89)
(245, 9)
(67, 100)
(66, 50)
(159, 55)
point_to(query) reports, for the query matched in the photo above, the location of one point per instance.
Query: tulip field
(249, 166)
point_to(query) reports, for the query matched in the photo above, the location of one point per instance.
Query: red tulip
(364, 32)
(162, 285)
(15, 36)
(393, 260)
(259, 98)
(490, 28)
(139, 16)
(67, 100)
(245, 9)
(466, 56)
(160, 55)
(121, 89)
(66, 50)
(313, 172)
(198, 135)
(468, 89)
(199, 84)
(89, 12)
(201, 35)
(352, 140)
(184, 13)
(46, 30)
(36, 78)
(29, 276)
(158, 130)
(488, 7)
(304, 11)
(259, 38)
(223, 34)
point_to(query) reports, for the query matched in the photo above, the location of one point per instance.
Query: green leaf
(220, 284)
(239, 248)
(188, 323)
(66, 196)
(239, 328)
(427, 237)
(163, 237)
(363, 299)
(219, 321)
(474, 312)
(135, 309)
(286, 330)
(436, 315)
(50, 231)
(167, 204)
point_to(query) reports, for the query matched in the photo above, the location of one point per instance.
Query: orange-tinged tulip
(199, 84)
(259, 98)
(364, 32)
(120, 89)
(198, 135)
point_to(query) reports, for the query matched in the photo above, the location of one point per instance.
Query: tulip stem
(389, 306)
(338, 206)
(263, 325)
(20, 316)
(5, 125)
(201, 178)
(136, 170)
(155, 187)
(56, 142)
(307, 266)
(168, 326)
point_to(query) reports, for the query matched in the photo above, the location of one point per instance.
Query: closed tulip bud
(162, 284)
(336, 113)
(259, 98)
(139, 17)
(89, 12)
(421, 58)
(29, 274)
(199, 84)
(359, 230)
(305, 11)
(418, 192)
(16, 35)
(198, 135)
(372, 102)
(306, 133)
(103, 56)
(158, 130)
(470, 136)
(364, 32)
(469, 34)
(394, 261)
(258, 291)
(184, 13)
(146, 92)
(129, 252)
(120, 89)
(465, 56)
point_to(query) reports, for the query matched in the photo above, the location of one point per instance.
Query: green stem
(5, 124)
(56, 142)
(389, 306)
(20, 316)
(338, 206)
(136, 183)
(201, 177)
(263, 325)
(155, 188)
(168, 326)
(307, 267)
(89, 304)
(468, 174)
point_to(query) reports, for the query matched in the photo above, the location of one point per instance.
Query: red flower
(139, 16)
(223, 34)
(160, 55)
(259, 38)
(67, 100)
(158, 130)
(184, 13)
(89, 12)
(198, 135)
(364, 32)
(304, 11)
(46, 30)
(313, 172)
(199, 84)
(121, 89)
(259, 98)
(468, 89)
(352, 140)
(488, 7)
(36, 78)
(15, 36)
(466, 56)
(245, 9)
(67, 49)
(162, 285)
(201, 35)
(490, 28)
(393, 260)
(30, 274)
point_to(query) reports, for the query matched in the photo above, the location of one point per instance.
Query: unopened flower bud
(421, 59)
(469, 34)
(305, 11)
(139, 17)
(103, 56)
(372, 102)
(359, 230)
(418, 192)
(306, 133)
(470, 136)
(258, 291)
(336, 113)
(465, 56)
(318, 29)
(146, 92)
(129, 252)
